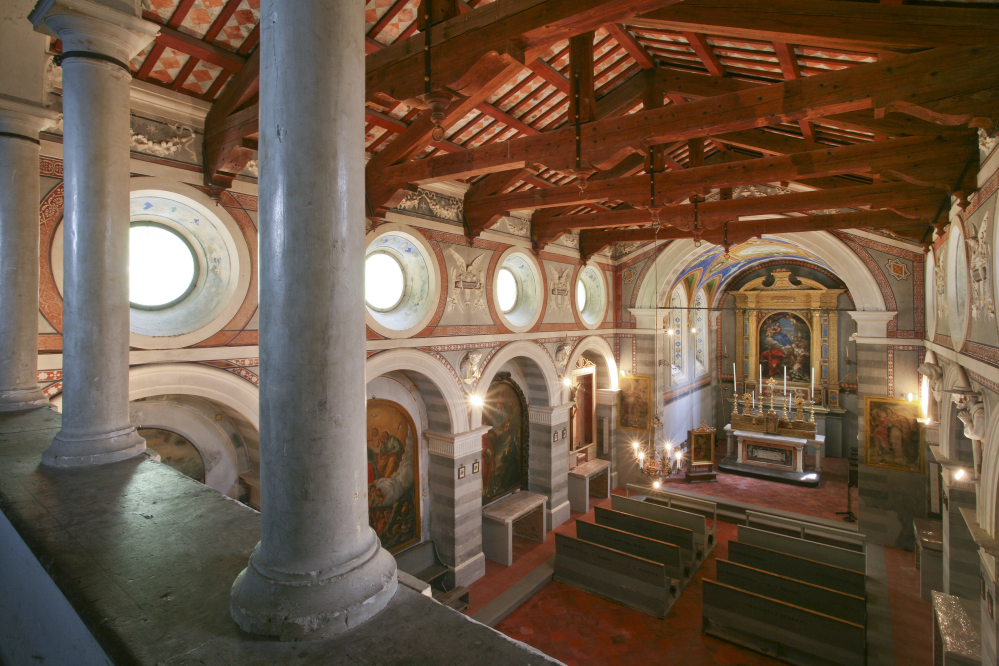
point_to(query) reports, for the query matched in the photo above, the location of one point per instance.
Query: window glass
(161, 266)
(506, 290)
(384, 282)
(580, 295)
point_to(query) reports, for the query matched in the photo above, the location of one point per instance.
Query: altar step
(808, 478)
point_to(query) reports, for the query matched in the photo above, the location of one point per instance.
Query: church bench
(704, 537)
(680, 537)
(521, 513)
(819, 552)
(676, 500)
(799, 568)
(590, 479)
(795, 592)
(808, 530)
(632, 581)
(781, 630)
(422, 562)
(667, 554)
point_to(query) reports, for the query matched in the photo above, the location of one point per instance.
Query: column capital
(453, 446)
(24, 119)
(89, 25)
(872, 323)
(549, 415)
(607, 396)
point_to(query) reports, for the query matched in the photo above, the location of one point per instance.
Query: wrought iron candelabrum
(661, 462)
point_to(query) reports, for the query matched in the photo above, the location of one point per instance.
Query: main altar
(773, 443)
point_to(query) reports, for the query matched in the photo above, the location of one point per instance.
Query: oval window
(580, 295)
(162, 269)
(384, 281)
(506, 290)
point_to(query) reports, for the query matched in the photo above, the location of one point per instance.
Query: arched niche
(594, 348)
(436, 382)
(955, 377)
(543, 385)
(214, 384)
(988, 489)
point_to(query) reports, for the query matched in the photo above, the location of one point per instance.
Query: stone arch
(667, 266)
(204, 381)
(544, 387)
(440, 389)
(955, 377)
(988, 490)
(850, 268)
(594, 346)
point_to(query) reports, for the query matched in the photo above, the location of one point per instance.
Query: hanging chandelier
(664, 460)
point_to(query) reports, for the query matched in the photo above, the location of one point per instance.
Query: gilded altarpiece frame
(808, 301)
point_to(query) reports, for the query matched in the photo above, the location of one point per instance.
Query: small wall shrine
(788, 332)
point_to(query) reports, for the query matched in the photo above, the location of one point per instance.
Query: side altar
(772, 443)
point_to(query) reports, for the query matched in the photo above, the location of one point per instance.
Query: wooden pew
(805, 529)
(667, 554)
(798, 568)
(626, 579)
(811, 550)
(781, 630)
(680, 537)
(795, 592)
(704, 538)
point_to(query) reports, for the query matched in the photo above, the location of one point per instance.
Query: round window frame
(402, 270)
(594, 312)
(930, 293)
(196, 273)
(531, 293)
(960, 325)
(435, 290)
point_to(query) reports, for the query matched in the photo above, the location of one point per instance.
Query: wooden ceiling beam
(592, 242)
(631, 45)
(957, 70)
(853, 26)
(582, 98)
(194, 47)
(231, 118)
(705, 53)
(529, 25)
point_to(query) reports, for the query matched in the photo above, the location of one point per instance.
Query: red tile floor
(579, 628)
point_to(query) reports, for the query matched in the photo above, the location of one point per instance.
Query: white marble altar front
(742, 439)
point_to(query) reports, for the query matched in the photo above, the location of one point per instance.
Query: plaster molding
(608, 396)
(454, 446)
(167, 105)
(891, 342)
(550, 415)
(204, 381)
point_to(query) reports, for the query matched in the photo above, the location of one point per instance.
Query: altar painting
(634, 408)
(393, 482)
(786, 342)
(504, 447)
(894, 436)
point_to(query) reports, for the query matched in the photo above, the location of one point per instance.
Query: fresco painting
(393, 484)
(504, 450)
(894, 434)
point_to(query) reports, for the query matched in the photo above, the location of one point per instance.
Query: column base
(295, 607)
(17, 400)
(66, 451)
(557, 515)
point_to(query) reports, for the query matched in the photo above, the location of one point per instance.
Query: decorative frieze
(432, 204)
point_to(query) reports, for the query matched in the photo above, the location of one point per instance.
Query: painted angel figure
(982, 302)
(560, 287)
(468, 283)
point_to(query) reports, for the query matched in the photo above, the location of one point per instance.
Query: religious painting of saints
(786, 342)
(702, 444)
(393, 478)
(894, 435)
(504, 447)
(634, 402)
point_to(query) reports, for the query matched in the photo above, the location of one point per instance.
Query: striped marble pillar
(549, 460)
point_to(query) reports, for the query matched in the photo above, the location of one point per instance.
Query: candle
(761, 379)
(735, 386)
(813, 385)
(785, 381)
(754, 399)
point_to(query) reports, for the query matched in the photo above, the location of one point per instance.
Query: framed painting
(634, 403)
(702, 444)
(505, 446)
(894, 436)
(393, 477)
(786, 342)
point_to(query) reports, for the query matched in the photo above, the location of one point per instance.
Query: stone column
(319, 570)
(22, 116)
(19, 127)
(456, 504)
(98, 42)
(549, 460)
